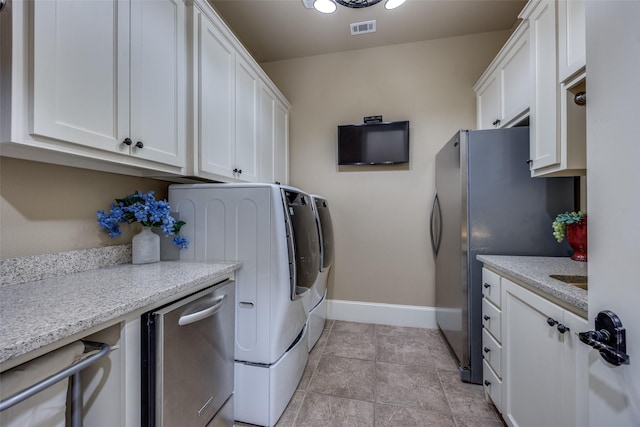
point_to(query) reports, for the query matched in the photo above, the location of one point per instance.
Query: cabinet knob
(485, 317)
(487, 383)
(487, 349)
(235, 170)
(486, 285)
(139, 144)
(496, 122)
(562, 329)
(127, 141)
(239, 170)
(529, 161)
(580, 98)
(551, 321)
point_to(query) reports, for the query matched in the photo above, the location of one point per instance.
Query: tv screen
(373, 143)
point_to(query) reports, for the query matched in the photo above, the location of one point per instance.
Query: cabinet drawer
(492, 385)
(491, 286)
(491, 319)
(492, 352)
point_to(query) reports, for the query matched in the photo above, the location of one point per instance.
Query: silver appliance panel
(190, 360)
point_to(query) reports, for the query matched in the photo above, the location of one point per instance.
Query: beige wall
(46, 208)
(380, 214)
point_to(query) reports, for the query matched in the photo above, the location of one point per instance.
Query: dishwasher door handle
(203, 314)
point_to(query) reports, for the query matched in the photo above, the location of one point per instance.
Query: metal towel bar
(76, 386)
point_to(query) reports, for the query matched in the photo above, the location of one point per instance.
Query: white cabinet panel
(544, 105)
(105, 71)
(158, 85)
(281, 144)
(571, 38)
(503, 91)
(77, 96)
(543, 367)
(214, 111)
(246, 144)
(489, 103)
(557, 126)
(266, 134)
(235, 106)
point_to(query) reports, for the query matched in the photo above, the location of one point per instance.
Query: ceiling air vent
(363, 27)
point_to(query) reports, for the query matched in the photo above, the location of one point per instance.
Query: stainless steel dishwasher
(187, 360)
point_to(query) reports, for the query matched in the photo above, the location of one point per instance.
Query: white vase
(145, 247)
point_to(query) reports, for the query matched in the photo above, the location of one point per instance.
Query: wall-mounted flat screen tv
(385, 143)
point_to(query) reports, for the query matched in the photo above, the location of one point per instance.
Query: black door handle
(609, 338)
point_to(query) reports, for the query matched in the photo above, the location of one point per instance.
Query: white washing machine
(316, 301)
(272, 230)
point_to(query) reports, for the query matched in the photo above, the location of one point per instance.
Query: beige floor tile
(320, 410)
(409, 385)
(353, 327)
(351, 344)
(396, 416)
(344, 377)
(407, 350)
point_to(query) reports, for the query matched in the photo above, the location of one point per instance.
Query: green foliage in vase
(564, 219)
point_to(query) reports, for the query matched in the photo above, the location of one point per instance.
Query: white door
(613, 150)
(158, 80)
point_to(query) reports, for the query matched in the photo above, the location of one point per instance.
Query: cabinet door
(215, 126)
(158, 80)
(489, 103)
(544, 144)
(516, 80)
(80, 72)
(247, 84)
(266, 134)
(571, 38)
(281, 144)
(575, 373)
(532, 354)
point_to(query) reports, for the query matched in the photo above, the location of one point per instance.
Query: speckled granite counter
(535, 271)
(35, 314)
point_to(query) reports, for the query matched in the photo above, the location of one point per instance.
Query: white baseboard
(382, 314)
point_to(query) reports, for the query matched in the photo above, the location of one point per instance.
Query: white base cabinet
(544, 368)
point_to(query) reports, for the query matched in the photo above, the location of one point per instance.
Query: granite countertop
(35, 314)
(534, 271)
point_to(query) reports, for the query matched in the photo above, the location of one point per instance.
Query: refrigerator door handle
(435, 222)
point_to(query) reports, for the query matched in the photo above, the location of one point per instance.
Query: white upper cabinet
(214, 99)
(281, 142)
(247, 85)
(557, 124)
(111, 76)
(503, 90)
(237, 112)
(571, 38)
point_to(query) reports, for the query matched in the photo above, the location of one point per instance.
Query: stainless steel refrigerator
(486, 203)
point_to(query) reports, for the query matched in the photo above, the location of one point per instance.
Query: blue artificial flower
(145, 209)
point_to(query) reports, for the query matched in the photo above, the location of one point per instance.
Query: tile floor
(362, 374)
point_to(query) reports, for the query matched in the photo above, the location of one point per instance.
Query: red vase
(577, 237)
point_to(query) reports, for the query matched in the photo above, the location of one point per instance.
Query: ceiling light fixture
(325, 6)
(329, 6)
(392, 4)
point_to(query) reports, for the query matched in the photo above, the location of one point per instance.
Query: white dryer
(272, 230)
(316, 301)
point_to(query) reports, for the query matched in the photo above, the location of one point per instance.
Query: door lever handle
(609, 338)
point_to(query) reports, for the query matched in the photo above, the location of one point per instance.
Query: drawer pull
(551, 321)
(485, 317)
(562, 328)
(487, 383)
(487, 349)
(487, 286)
